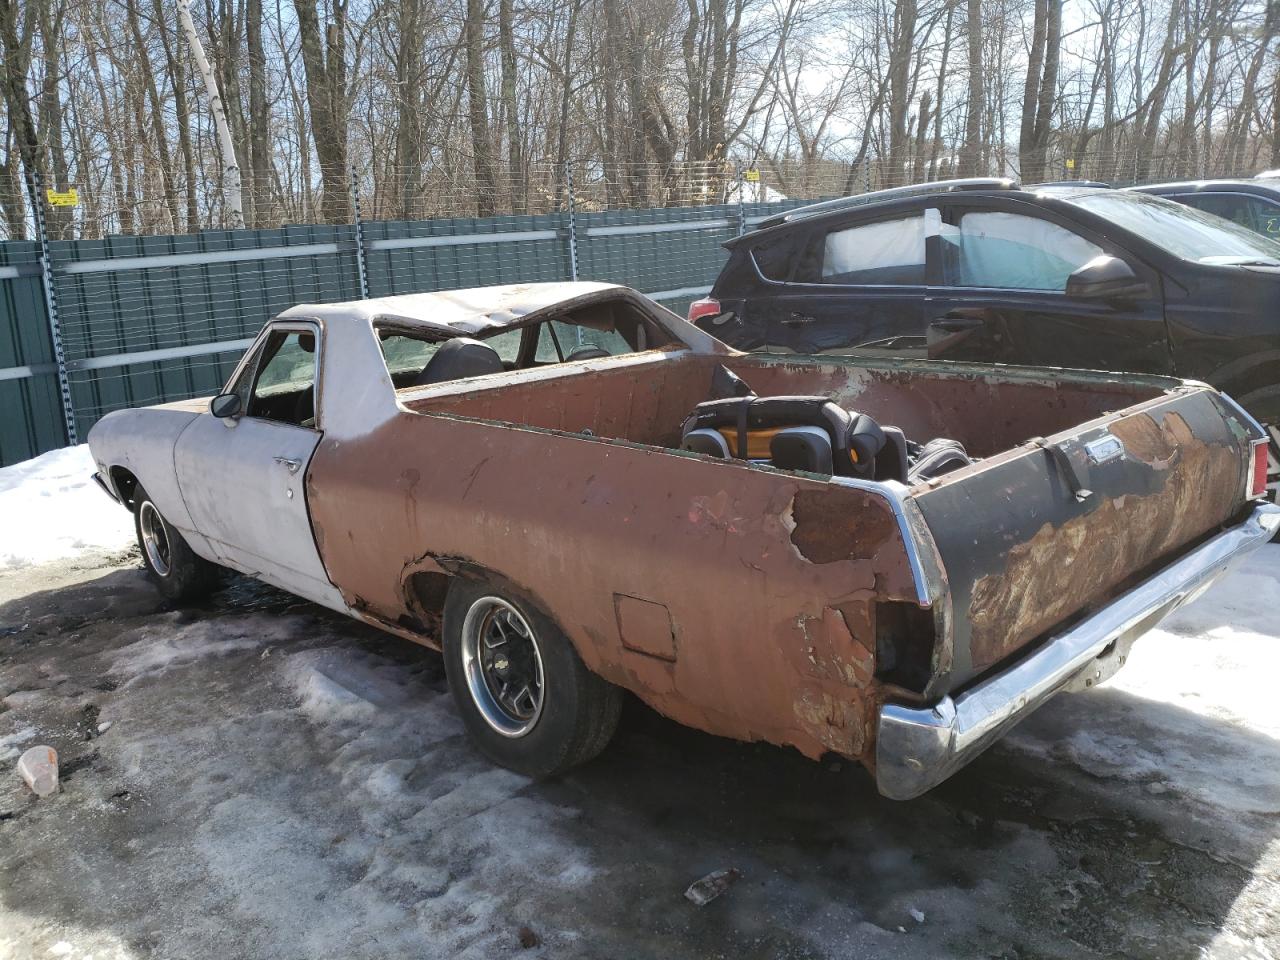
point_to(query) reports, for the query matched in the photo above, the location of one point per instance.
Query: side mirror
(225, 405)
(1106, 278)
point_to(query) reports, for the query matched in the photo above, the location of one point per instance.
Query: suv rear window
(774, 257)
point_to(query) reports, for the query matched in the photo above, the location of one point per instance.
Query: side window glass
(1266, 218)
(888, 252)
(1233, 208)
(285, 386)
(1009, 250)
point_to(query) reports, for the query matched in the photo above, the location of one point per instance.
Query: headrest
(589, 352)
(459, 358)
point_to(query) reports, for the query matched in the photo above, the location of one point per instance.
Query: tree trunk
(970, 156)
(325, 65)
(486, 186)
(515, 158)
(259, 118)
(232, 200)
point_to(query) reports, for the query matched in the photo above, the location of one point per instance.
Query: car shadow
(1055, 842)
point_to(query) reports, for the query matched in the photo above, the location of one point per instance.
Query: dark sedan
(984, 270)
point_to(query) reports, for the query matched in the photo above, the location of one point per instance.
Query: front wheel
(181, 575)
(528, 700)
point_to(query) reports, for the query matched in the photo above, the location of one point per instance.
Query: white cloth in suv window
(1012, 251)
(891, 251)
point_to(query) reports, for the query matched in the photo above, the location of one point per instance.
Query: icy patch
(162, 649)
(53, 510)
(340, 685)
(11, 743)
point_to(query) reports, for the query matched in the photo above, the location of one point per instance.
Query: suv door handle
(798, 320)
(293, 465)
(954, 324)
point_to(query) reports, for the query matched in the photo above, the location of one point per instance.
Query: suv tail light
(706, 307)
(1258, 479)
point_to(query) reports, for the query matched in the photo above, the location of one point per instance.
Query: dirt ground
(277, 782)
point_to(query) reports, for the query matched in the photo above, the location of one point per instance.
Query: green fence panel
(30, 402)
(123, 298)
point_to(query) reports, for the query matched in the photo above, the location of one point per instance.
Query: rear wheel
(181, 575)
(528, 701)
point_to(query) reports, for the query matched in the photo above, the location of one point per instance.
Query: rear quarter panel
(734, 599)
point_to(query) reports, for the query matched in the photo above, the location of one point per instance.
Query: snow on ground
(51, 509)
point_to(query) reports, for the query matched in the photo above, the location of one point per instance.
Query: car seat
(457, 359)
(793, 433)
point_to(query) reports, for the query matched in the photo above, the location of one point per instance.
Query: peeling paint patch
(825, 529)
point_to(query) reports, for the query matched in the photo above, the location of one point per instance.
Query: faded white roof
(467, 311)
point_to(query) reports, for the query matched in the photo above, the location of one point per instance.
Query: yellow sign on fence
(1071, 164)
(63, 198)
(752, 175)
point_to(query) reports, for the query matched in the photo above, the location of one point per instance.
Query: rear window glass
(774, 257)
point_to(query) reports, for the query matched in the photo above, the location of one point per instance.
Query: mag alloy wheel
(155, 539)
(502, 664)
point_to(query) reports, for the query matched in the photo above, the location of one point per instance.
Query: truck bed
(1020, 552)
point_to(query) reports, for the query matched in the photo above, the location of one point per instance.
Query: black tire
(181, 575)
(577, 711)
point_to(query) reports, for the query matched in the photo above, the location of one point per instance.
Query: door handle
(955, 324)
(799, 320)
(292, 464)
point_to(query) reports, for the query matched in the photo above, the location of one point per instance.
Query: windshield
(1183, 231)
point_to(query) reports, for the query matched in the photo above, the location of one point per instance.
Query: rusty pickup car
(572, 493)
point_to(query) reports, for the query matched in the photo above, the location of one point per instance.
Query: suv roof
(893, 193)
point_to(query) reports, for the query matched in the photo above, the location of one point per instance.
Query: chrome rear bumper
(919, 747)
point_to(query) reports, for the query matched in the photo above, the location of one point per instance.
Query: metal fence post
(573, 225)
(866, 173)
(51, 306)
(741, 185)
(359, 225)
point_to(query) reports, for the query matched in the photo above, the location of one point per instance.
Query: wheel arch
(428, 582)
(125, 484)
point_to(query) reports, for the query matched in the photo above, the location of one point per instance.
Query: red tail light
(706, 307)
(1258, 481)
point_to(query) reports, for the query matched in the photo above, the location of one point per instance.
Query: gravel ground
(276, 781)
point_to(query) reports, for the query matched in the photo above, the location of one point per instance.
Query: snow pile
(50, 509)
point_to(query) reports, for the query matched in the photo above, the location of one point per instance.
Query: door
(243, 478)
(997, 293)
(855, 289)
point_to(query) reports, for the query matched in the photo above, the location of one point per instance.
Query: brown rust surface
(1049, 577)
(760, 632)
(769, 579)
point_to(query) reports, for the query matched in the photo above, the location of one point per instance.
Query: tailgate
(1025, 553)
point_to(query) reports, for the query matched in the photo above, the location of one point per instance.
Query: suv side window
(884, 252)
(1010, 250)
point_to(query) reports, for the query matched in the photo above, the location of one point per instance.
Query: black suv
(1251, 203)
(984, 270)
